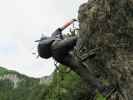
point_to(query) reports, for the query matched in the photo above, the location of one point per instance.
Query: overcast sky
(22, 22)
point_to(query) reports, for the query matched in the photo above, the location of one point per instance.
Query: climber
(56, 46)
(60, 49)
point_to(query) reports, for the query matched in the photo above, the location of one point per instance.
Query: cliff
(105, 44)
(16, 86)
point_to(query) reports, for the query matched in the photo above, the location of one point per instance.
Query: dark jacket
(44, 46)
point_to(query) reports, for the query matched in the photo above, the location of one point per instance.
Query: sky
(22, 22)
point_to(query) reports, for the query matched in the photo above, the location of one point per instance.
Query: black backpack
(44, 48)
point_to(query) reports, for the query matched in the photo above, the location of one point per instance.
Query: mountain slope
(15, 86)
(63, 84)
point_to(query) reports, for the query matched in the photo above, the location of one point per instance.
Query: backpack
(44, 48)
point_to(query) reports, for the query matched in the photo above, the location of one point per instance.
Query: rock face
(105, 44)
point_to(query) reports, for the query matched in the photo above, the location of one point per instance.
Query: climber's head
(44, 47)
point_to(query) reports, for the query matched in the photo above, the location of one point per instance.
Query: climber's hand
(74, 19)
(67, 24)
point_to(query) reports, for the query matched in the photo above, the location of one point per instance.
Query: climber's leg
(80, 69)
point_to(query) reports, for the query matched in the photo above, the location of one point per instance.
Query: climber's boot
(107, 91)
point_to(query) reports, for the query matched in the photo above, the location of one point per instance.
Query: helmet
(44, 47)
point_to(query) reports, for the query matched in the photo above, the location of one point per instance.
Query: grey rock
(105, 44)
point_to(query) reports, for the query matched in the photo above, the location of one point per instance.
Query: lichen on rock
(105, 44)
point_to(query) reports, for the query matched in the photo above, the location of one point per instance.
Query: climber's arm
(58, 31)
(67, 24)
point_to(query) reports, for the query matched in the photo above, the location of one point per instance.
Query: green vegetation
(22, 91)
(3, 71)
(65, 85)
(100, 97)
